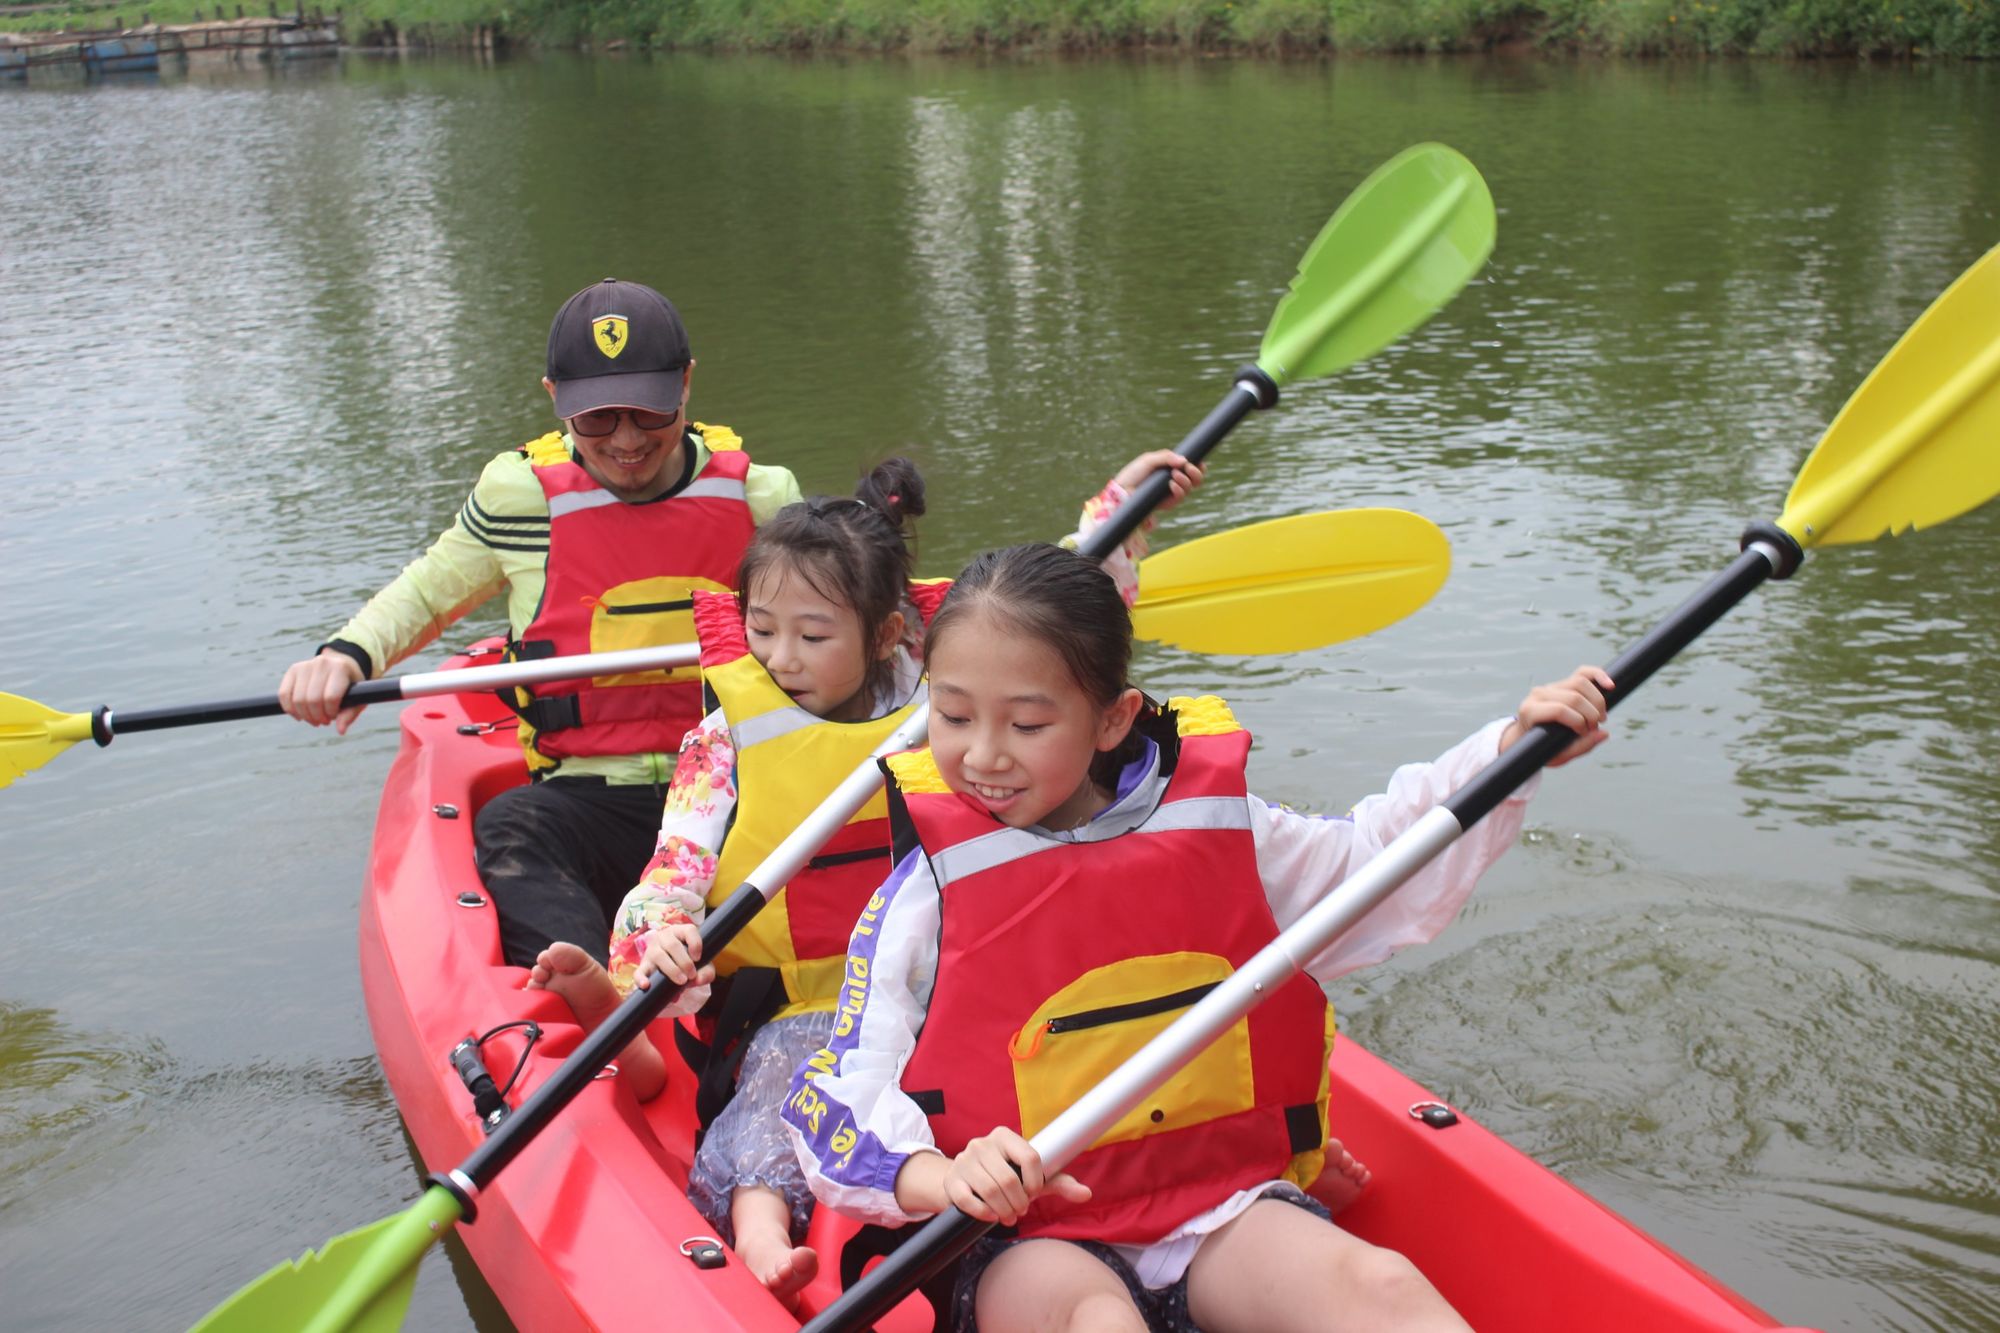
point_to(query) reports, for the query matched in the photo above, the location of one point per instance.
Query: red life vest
(1057, 960)
(787, 760)
(622, 575)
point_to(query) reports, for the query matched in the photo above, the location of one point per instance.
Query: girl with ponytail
(807, 669)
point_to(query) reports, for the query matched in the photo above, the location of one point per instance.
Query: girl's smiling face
(1011, 728)
(811, 645)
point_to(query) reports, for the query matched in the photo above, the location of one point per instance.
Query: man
(597, 535)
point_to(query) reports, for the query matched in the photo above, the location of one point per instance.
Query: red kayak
(589, 1229)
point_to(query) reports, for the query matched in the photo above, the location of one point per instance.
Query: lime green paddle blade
(1404, 243)
(360, 1281)
(1292, 583)
(31, 734)
(1919, 442)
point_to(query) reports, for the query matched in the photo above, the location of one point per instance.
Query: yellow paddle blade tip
(1291, 584)
(1919, 442)
(31, 734)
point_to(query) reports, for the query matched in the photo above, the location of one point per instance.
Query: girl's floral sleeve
(1123, 564)
(674, 888)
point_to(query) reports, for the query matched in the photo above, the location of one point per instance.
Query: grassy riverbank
(1915, 28)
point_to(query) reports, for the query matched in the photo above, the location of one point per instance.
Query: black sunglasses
(605, 420)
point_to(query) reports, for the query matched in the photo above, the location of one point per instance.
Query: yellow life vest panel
(787, 761)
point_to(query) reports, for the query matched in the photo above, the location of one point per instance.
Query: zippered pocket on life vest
(646, 613)
(1087, 1029)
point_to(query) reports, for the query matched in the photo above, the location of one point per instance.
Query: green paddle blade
(360, 1281)
(1919, 442)
(1404, 243)
(1292, 583)
(31, 734)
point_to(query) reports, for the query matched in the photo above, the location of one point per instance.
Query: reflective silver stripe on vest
(716, 488)
(569, 502)
(991, 850)
(769, 726)
(720, 488)
(784, 721)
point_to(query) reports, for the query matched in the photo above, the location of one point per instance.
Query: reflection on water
(262, 327)
(58, 1086)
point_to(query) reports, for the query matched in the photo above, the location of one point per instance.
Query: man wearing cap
(598, 535)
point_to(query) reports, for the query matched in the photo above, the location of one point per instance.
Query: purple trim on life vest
(866, 1163)
(1134, 773)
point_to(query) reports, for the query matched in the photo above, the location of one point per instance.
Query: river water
(259, 330)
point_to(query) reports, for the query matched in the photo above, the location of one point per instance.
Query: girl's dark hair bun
(894, 489)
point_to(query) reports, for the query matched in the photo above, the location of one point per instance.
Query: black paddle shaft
(107, 722)
(1768, 552)
(1252, 389)
(599, 1049)
(1633, 667)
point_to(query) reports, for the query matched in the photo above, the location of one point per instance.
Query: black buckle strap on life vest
(873, 1241)
(902, 829)
(556, 712)
(745, 1001)
(1302, 1123)
(828, 860)
(1161, 724)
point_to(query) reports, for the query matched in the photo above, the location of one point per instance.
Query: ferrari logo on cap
(609, 331)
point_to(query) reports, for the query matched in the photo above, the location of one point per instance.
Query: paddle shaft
(1767, 553)
(108, 723)
(1252, 389)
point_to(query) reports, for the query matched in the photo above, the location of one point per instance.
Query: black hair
(852, 551)
(1063, 600)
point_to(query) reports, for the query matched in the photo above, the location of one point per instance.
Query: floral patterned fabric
(674, 886)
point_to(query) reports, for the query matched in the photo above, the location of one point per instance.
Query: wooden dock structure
(121, 50)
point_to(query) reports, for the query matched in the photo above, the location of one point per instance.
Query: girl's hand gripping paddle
(1917, 444)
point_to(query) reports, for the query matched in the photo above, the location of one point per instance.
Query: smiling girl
(808, 669)
(1080, 868)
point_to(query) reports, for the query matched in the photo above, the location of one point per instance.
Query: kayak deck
(586, 1228)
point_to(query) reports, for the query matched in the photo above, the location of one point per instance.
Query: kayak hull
(586, 1229)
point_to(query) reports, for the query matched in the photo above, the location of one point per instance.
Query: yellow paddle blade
(359, 1282)
(31, 734)
(1919, 442)
(1292, 583)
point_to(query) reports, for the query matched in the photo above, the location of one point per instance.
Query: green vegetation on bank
(1919, 28)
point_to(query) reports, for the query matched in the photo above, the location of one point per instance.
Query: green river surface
(259, 329)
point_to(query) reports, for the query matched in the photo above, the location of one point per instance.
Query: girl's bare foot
(763, 1223)
(580, 979)
(1342, 1179)
(782, 1267)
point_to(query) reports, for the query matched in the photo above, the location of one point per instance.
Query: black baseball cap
(617, 344)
